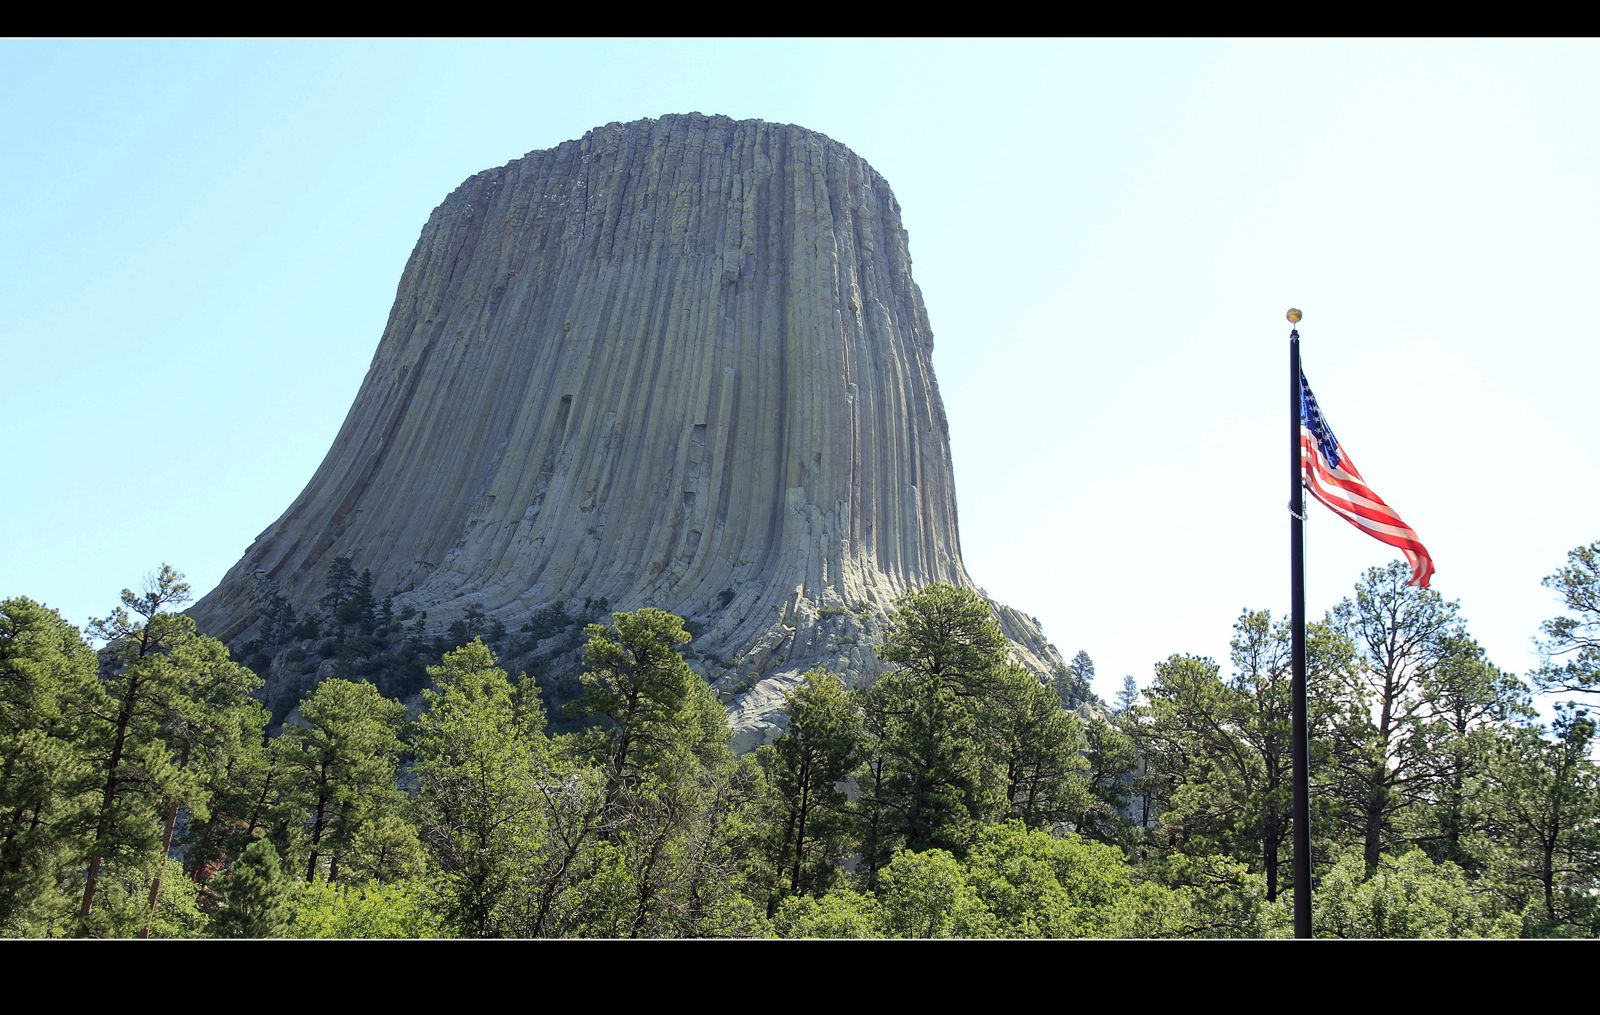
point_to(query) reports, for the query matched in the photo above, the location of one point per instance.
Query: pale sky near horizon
(202, 239)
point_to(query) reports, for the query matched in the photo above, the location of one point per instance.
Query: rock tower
(679, 363)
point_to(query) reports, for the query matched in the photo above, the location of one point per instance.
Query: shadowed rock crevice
(670, 360)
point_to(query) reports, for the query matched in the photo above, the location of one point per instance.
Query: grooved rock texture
(679, 363)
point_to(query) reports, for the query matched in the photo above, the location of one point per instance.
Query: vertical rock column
(680, 363)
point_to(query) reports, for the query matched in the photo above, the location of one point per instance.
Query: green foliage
(1219, 897)
(360, 609)
(1016, 882)
(254, 895)
(1407, 896)
(477, 764)
(1383, 752)
(176, 704)
(338, 585)
(1472, 707)
(674, 852)
(930, 791)
(928, 895)
(548, 623)
(122, 904)
(650, 707)
(237, 781)
(1261, 716)
(1074, 685)
(723, 868)
(277, 617)
(809, 822)
(643, 824)
(1187, 734)
(842, 913)
(125, 742)
(1538, 801)
(948, 634)
(387, 850)
(1033, 751)
(1570, 649)
(364, 909)
(673, 857)
(337, 768)
(957, 735)
(1111, 762)
(1218, 754)
(1039, 885)
(48, 687)
(1129, 695)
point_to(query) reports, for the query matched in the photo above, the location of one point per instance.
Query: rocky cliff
(680, 363)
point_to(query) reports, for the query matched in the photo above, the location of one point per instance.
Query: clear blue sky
(202, 239)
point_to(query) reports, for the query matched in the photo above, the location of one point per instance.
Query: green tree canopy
(338, 767)
(1570, 649)
(49, 696)
(805, 768)
(477, 765)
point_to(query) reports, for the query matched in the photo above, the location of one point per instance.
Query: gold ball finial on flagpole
(1293, 315)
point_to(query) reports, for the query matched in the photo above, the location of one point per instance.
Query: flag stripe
(1348, 479)
(1396, 536)
(1331, 477)
(1369, 507)
(1381, 520)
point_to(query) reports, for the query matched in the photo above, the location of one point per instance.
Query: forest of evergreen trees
(397, 784)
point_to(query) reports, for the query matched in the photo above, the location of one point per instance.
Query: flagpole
(1297, 621)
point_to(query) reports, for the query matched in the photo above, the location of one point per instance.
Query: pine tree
(477, 766)
(948, 654)
(1074, 684)
(254, 895)
(360, 609)
(48, 691)
(1034, 750)
(239, 786)
(1129, 695)
(643, 696)
(338, 586)
(1187, 734)
(277, 616)
(172, 694)
(337, 766)
(1381, 747)
(1570, 649)
(1473, 705)
(1083, 673)
(1110, 764)
(1539, 836)
(668, 860)
(207, 726)
(805, 767)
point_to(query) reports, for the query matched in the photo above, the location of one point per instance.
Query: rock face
(679, 363)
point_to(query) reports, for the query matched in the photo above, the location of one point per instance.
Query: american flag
(1330, 475)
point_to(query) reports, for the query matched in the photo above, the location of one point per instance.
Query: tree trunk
(800, 833)
(166, 850)
(548, 895)
(108, 800)
(647, 887)
(783, 862)
(872, 834)
(316, 835)
(1269, 845)
(1374, 827)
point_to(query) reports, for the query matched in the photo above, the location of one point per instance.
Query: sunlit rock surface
(679, 363)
